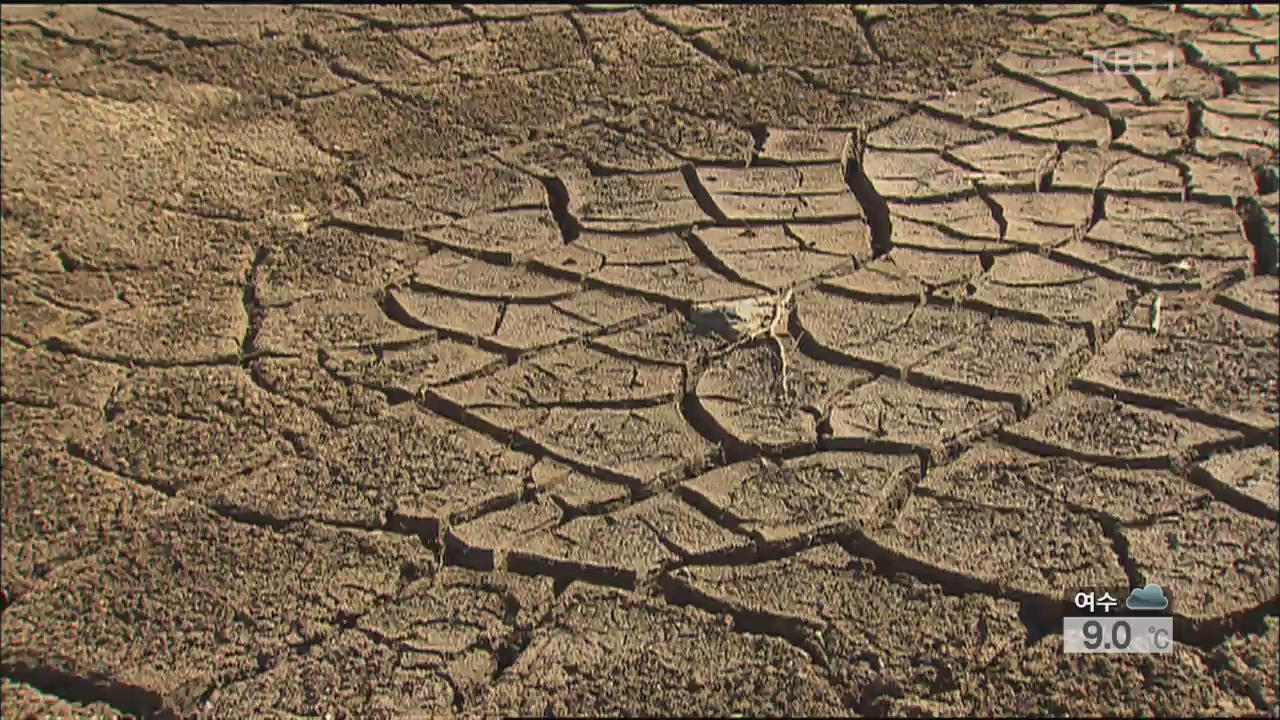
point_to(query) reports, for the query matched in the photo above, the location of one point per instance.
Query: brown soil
(420, 361)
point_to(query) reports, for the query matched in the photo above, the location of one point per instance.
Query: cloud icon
(1150, 597)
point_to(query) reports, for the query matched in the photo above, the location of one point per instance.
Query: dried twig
(746, 329)
(778, 330)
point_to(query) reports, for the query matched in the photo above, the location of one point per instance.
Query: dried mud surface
(417, 361)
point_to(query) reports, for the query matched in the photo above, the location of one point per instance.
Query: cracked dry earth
(425, 361)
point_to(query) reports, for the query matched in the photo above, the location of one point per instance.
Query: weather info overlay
(1114, 620)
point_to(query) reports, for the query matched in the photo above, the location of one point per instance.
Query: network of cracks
(823, 422)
